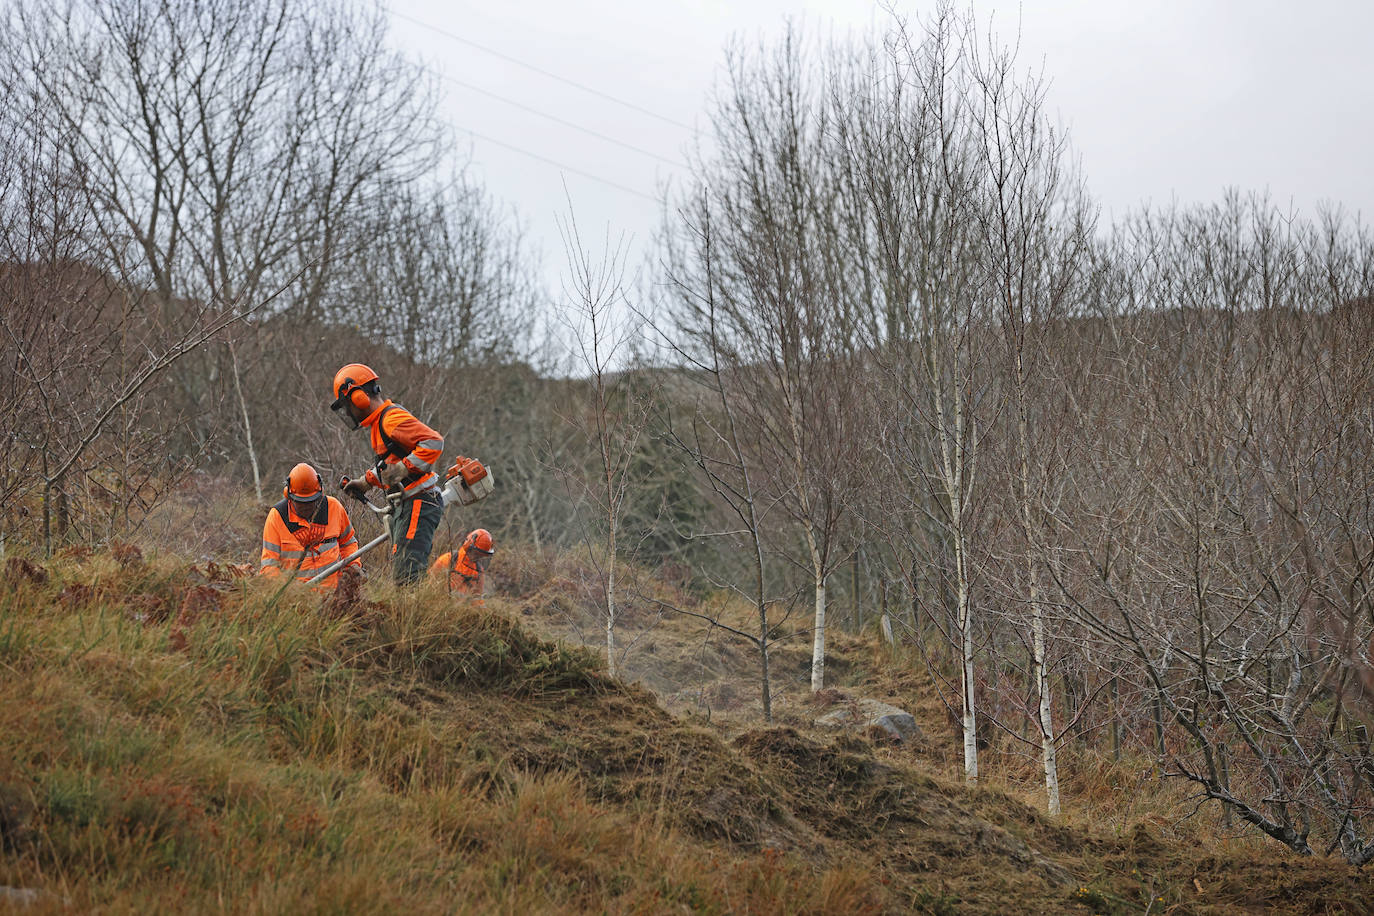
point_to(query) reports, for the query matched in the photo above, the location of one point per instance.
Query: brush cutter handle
(392, 499)
(353, 488)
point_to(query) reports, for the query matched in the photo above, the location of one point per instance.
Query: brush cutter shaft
(341, 563)
(385, 513)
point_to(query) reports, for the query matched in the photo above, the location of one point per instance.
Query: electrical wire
(566, 168)
(555, 118)
(540, 70)
(575, 126)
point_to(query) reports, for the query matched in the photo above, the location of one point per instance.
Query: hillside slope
(172, 738)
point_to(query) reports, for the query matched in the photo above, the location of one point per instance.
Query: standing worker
(466, 567)
(407, 452)
(307, 531)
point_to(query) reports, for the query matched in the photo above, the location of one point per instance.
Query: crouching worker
(307, 531)
(466, 568)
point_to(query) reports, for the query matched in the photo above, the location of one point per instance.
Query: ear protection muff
(360, 395)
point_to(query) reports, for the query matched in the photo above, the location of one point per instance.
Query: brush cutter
(467, 481)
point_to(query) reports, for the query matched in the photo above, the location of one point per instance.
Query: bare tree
(1232, 559)
(908, 133)
(1034, 224)
(82, 348)
(602, 329)
(441, 280)
(225, 146)
(714, 443)
(778, 305)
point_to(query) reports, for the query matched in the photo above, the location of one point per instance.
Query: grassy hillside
(173, 738)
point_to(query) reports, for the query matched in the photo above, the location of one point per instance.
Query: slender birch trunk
(1045, 717)
(247, 424)
(966, 682)
(818, 636)
(610, 615)
(613, 504)
(952, 454)
(818, 645)
(884, 619)
(957, 468)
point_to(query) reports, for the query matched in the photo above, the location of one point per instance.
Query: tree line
(888, 368)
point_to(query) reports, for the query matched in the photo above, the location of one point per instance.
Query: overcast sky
(1164, 99)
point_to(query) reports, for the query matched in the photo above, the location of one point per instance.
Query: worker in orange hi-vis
(307, 531)
(466, 568)
(407, 453)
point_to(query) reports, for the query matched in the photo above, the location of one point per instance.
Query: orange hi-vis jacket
(307, 544)
(397, 436)
(463, 575)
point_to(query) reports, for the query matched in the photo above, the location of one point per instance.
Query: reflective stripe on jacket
(307, 544)
(397, 437)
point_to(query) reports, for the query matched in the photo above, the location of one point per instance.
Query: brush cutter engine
(467, 481)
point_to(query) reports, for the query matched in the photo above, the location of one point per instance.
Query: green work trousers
(412, 535)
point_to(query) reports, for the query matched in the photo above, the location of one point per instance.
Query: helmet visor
(310, 508)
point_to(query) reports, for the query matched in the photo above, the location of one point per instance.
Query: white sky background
(1164, 99)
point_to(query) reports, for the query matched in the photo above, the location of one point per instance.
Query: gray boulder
(865, 712)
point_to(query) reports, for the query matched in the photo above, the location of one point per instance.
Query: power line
(540, 70)
(566, 168)
(566, 123)
(555, 118)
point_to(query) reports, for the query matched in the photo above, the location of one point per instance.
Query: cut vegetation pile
(174, 738)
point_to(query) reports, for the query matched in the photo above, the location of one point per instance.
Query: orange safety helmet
(303, 484)
(480, 540)
(353, 384)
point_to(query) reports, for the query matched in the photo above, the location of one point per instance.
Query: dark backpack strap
(285, 514)
(293, 527)
(393, 448)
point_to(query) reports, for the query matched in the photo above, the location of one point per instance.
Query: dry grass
(172, 739)
(175, 739)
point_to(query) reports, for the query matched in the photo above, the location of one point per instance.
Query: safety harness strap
(394, 449)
